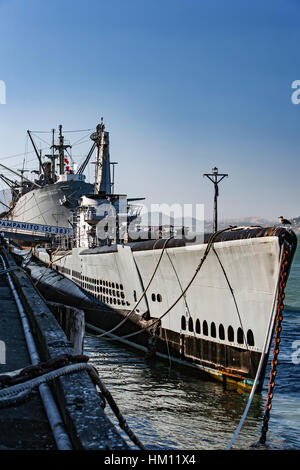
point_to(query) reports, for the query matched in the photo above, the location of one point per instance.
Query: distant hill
(162, 219)
(245, 221)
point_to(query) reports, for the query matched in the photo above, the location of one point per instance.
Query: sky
(183, 86)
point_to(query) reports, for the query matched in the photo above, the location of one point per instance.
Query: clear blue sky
(183, 85)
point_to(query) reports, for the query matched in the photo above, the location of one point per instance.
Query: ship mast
(41, 169)
(102, 177)
(61, 147)
(216, 178)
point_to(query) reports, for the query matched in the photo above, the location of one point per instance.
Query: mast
(37, 154)
(12, 184)
(52, 157)
(113, 177)
(216, 178)
(102, 177)
(21, 176)
(61, 147)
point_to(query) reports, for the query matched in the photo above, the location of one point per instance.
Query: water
(169, 407)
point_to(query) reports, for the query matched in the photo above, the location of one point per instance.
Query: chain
(278, 328)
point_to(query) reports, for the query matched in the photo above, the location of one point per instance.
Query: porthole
(205, 328)
(197, 327)
(191, 325)
(230, 333)
(250, 338)
(240, 336)
(159, 298)
(183, 323)
(134, 296)
(153, 297)
(221, 332)
(117, 286)
(121, 286)
(213, 332)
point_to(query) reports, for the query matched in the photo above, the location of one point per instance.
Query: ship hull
(211, 359)
(219, 325)
(50, 204)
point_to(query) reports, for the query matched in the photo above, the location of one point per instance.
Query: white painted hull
(42, 205)
(233, 320)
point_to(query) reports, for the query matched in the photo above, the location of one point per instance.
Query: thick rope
(51, 263)
(207, 250)
(143, 293)
(8, 270)
(10, 392)
(235, 304)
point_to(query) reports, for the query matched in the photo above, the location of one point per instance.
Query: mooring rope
(235, 304)
(206, 252)
(143, 293)
(51, 263)
(23, 388)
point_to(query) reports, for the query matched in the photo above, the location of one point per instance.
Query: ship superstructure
(52, 196)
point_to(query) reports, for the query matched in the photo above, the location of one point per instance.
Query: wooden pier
(25, 425)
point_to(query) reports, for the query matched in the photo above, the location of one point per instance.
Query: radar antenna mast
(102, 176)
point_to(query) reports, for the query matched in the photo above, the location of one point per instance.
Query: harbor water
(169, 407)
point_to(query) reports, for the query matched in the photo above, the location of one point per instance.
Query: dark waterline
(170, 407)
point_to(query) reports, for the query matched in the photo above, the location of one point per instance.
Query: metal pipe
(56, 423)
